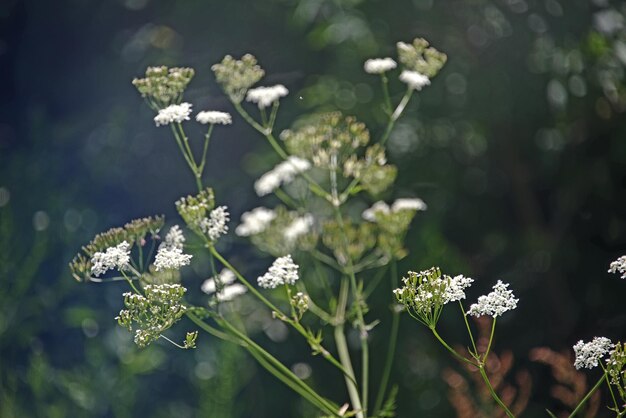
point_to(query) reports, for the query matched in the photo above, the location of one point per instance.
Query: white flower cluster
(412, 204)
(414, 79)
(255, 221)
(588, 354)
(174, 238)
(215, 225)
(619, 266)
(379, 65)
(282, 271)
(495, 303)
(298, 227)
(283, 173)
(229, 290)
(173, 113)
(455, 290)
(213, 117)
(117, 257)
(265, 96)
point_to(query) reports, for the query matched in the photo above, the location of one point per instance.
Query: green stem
(494, 395)
(493, 329)
(385, 84)
(469, 330)
(452, 350)
(211, 330)
(395, 115)
(587, 396)
(344, 353)
(393, 338)
(608, 383)
(207, 138)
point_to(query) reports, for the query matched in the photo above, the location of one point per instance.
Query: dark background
(518, 148)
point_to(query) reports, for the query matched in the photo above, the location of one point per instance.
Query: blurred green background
(518, 147)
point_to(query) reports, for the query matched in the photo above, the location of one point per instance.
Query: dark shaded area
(518, 148)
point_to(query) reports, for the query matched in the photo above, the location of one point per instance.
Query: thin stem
(395, 115)
(207, 138)
(249, 118)
(342, 349)
(285, 198)
(608, 383)
(469, 330)
(211, 330)
(493, 329)
(452, 350)
(587, 396)
(172, 342)
(494, 395)
(385, 83)
(393, 338)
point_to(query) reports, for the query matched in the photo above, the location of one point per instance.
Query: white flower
(170, 258)
(414, 79)
(174, 238)
(619, 266)
(229, 293)
(495, 303)
(283, 173)
(369, 214)
(408, 204)
(117, 257)
(588, 354)
(255, 221)
(455, 290)
(379, 65)
(214, 117)
(265, 96)
(413, 204)
(225, 277)
(282, 271)
(173, 113)
(298, 227)
(215, 225)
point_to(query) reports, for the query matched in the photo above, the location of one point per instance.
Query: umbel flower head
(426, 292)
(163, 86)
(414, 80)
(283, 271)
(215, 225)
(151, 315)
(616, 368)
(237, 76)
(223, 287)
(266, 96)
(255, 221)
(619, 266)
(421, 58)
(495, 303)
(213, 117)
(173, 113)
(379, 65)
(117, 257)
(283, 173)
(589, 354)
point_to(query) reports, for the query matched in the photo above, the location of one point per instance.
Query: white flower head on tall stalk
(215, 225)
(225, 277)
(379, 65)
(300, 226)
(414, 80)
(213, 117)
(283, 173)
(173, 113)
(174, 238)
(170, 258)
(619, 266)
(266, 96)
(589, 354)
(455, 290)
(117, 257)
(255, 221)
(283, 271)
(499, 301)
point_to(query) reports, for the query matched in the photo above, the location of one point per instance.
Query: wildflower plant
(331, 165)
